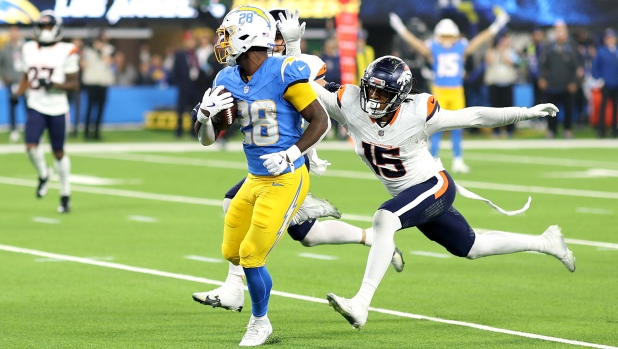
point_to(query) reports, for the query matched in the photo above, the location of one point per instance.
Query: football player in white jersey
(50, 70)
(305, 227)
(389, 123)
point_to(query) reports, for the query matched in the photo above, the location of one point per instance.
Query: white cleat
(459, 166)
(557, 247)
(355, 313)
(227, 296)
(14, 136)
(313, 208)
(258, 332)
(397, 261)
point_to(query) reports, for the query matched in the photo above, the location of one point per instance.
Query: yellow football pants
(259, 215)
(450, 98)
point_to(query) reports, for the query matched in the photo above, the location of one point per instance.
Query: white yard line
(143, 219)
(205, 259)
(361, 175)
(299, 297)
(218, 203)
(45, 220)
(593, 210)
(318, 256)
(431, 254)
(539, 160)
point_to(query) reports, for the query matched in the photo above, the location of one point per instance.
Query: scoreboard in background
(28, 11)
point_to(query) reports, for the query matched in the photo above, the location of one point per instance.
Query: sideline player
(304, 227)
(389, 128)
(447, 55)
(273, 95)
(50, 70)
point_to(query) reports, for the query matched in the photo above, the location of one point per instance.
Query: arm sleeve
(331, 102)
(206, 134)
(445, 120)
(300, 95)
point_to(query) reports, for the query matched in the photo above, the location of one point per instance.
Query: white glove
(213, 103)
(317, 165)
(501, 20)
(541, 110)
(396, 23)
(276, 163)
(290, 27)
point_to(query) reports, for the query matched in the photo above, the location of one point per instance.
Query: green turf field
(120, 276)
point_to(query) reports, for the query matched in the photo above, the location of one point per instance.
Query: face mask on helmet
(384, 86)
(279, 47)
(243, 28)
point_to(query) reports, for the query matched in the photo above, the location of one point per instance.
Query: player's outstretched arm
(292, 31)
(501, 20)
(330, 101)
(486, 117)
(416, 43)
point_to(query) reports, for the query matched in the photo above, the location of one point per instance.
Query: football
(224, 119)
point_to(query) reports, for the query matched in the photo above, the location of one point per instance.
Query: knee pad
(230, 253)
(247, 257)
(384, 220)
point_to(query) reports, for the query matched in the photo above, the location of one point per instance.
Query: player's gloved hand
(290, 27)
(332, 86)
(45, 83)
(194, 112)
(317, 165)
(276, 163)
(502, 18)
(541, 110)
(396, 23)
(213, 103)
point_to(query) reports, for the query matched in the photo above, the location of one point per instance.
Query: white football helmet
(48, 36)
(243, 28)
(446, 27)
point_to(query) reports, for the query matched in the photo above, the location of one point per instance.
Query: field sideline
(154, 209)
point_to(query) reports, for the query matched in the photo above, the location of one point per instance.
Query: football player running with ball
(304, 226)
(389, 123)
(273, 96)
(50, 70)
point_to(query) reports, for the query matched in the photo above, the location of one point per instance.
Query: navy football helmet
(48, 36)
(390, 74)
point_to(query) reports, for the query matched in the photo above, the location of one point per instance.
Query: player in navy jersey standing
(273, 96)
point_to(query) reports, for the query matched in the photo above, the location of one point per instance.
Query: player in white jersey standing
(50, 70)
(389, 123)
(305, 227)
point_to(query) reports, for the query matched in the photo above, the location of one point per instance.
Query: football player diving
(389, 123)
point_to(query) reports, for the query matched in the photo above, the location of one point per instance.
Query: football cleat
(258, 332)
(351, 310)
(64, 205)
(313, 208)
(555, 245)
(397, 260)
(459, 166)
(41, 189)
(227, 296)
(14, 136)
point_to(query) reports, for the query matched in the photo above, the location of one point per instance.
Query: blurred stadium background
(145, 230)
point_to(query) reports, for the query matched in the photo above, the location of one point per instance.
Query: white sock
(236, 270)
(63, 167)
(226, 204)
(369, 236)
(332, 233)
(385, 224)
(37, 158)
(498, 242)
(259, 320)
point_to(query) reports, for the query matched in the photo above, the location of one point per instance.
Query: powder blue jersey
(269, 123)
(448, 63)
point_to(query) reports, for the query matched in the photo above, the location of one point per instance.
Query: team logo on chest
(381, 133)
(246, 89)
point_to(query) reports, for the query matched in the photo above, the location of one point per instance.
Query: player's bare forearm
(319, 124)
(478, 40)
(23, 85)
(71, 83)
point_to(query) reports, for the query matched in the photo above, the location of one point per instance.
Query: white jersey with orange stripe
(316, 65)
(51, 63)
(396, 153)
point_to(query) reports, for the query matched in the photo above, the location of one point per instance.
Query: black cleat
(64, 205)
(41, 190)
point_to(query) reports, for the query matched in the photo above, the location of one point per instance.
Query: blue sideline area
(128, 105)
(125, 105)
